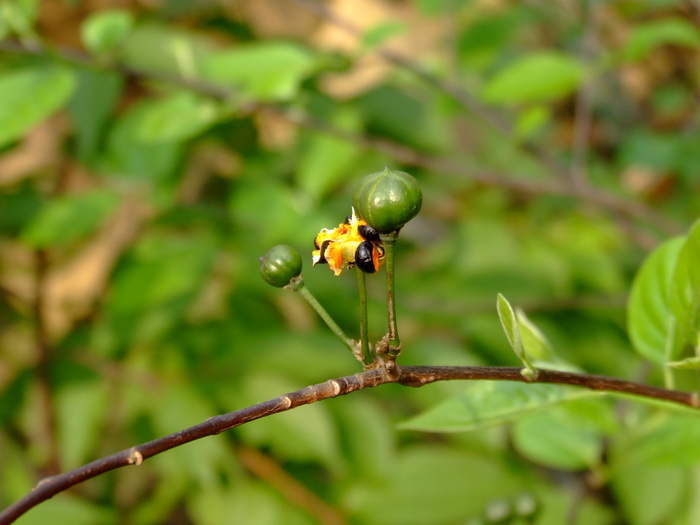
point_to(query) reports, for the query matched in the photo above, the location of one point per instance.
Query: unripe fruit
(387, 200)
(280, 265)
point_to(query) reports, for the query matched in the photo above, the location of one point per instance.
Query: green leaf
(539, 77)
(491, 403)
(649, 315)
(67, 219)
(649, 495)
(690, 363)
(69, 509)
(455, 484)
(18, 17)
(509, 322)
(29, 95)
(81, 412)
(90, 107)
(263, 71)
(667, 439)
(567, 436)
(646, 37)
(180, 116)
(535, 343)
(685, 288)
(328, 160)
(128, 156)
(379, 34)
(103, 31)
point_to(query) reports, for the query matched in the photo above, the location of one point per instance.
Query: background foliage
(151, 152)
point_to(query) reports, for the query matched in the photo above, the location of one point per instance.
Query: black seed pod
(364, 257)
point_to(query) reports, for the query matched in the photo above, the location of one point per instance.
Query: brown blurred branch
(414, 376)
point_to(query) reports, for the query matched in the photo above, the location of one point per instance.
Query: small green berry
(387, 200)
(280, 265)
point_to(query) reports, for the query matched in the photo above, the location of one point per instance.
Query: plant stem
(364, 341)
(301, 288)
(394, 344)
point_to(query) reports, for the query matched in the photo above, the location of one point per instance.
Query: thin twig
(43, 350)
(414, 376)
(582, 117)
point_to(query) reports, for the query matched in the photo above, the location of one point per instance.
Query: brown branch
(414, 376)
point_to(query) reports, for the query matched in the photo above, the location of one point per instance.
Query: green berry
(280, 265)
(387, 200)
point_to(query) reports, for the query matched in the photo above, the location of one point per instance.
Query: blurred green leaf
(328, 160)
(491, 403)
(127, 156)
(685, 288)
(69, 509)
(308, 434)
(18, 17)
(164, 268)
(105, 30)
(538, 77)
(90, 107)
(82, 410)
(450, 474)
(263, 71)
(650, 495)
(649, 315)
(67, 219)
(668, 438)
(567, 436)
(376, 36)
(29, 95)
(179, 116)
(689, 363)
(646, 37)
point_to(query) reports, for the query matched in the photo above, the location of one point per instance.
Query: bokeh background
(152, 150)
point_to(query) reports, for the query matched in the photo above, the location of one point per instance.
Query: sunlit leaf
(262, 71)
(535, 343)
(646, 37)
(685, 288)
(649, 315)
(177, 117)
(509, 322)
(539, 77)
(29, 95)
(104, 30)
(18, 17)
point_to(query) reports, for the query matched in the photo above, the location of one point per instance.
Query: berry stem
(394, 344)
(298, 286)
(366, 356)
